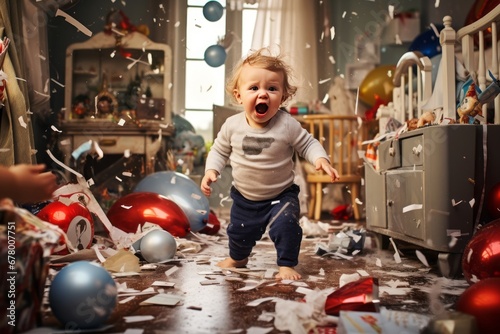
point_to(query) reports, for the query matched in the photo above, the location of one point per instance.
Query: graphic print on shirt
(255, 145)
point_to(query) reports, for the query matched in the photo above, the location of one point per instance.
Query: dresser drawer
(412, 151)
(389, 155)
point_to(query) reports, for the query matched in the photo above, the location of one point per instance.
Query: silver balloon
(158, 246)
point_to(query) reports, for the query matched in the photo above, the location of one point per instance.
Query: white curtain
(288, 27)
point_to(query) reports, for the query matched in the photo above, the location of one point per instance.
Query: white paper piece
(171, 271)
(422, 258)
(397, 257)
(412, 207)
(133, 331)
(348, 278)
(269, 273)
(259, 301)
(163, 299)
(363, 273)
(74, 22)
(126, 300)
(259, 330)
(22, 122)
(137, 318)
(125, 274)
(163, 283)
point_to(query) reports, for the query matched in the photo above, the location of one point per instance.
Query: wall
(362, 16)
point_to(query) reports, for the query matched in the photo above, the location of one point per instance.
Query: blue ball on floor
(82, 296)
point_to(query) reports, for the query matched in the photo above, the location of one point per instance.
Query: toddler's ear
(237, 96)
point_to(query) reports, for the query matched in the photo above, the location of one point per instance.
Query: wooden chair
(341, 136)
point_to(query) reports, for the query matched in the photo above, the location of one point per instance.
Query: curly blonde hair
(262, 58)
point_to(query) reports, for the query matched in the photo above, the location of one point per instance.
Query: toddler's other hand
(323, 164)
(210, 176)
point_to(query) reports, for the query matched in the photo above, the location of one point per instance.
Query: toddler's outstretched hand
(210, 176)
(323, 164)
(27, 183)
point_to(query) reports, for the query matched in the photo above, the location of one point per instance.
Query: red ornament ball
(493, 202)
(481, 257)
(482, 300)
(135, 209)
(74, 219)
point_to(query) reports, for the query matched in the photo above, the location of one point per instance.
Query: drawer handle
(107, 142)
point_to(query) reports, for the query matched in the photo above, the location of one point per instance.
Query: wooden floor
(214, 301)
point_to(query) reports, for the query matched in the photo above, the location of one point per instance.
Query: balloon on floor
(82, 296)
(158, 246)
(481, 257)
(135, 209)
(482, 300)
(74, 219)
(180, 189)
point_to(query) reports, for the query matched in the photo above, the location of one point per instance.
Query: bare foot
(230, 263)
(288, 273)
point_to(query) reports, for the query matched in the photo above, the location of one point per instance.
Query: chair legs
(354, 197)
(316, 200)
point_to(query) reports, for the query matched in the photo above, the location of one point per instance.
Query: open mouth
(261, 108)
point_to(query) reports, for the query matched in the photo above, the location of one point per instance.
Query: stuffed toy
(470, 107)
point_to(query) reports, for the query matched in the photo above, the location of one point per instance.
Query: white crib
(432, 183)
(468, 51)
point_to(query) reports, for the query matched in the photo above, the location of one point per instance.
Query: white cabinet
(117, 95)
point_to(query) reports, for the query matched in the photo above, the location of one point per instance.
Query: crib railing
(475, 46)
(473, 41)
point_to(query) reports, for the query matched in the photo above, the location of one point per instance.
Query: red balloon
(135, 209)
(493, 201)
(481, 257)
(482, 300)
(74, 219)
(213, 225)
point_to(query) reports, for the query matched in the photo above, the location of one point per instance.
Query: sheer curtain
(288, 27)
(16, 133)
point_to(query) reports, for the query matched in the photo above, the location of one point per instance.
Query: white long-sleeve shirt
(262, 159)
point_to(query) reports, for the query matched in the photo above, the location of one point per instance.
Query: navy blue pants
(249, 220)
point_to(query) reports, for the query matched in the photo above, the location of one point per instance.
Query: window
(205, 84)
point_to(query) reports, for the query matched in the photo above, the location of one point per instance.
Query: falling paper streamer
(422, 258)
(397, 257)
(74, 22)
(22, 122)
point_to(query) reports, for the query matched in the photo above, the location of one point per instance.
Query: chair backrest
(341, 136)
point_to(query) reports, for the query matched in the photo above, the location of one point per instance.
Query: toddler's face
(260, 91)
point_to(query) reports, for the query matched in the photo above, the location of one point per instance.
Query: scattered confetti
(74, 22)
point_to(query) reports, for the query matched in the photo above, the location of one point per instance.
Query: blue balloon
(82, 296)
(180, 189)
(215, 55)
(213, 11)
(427, 42)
